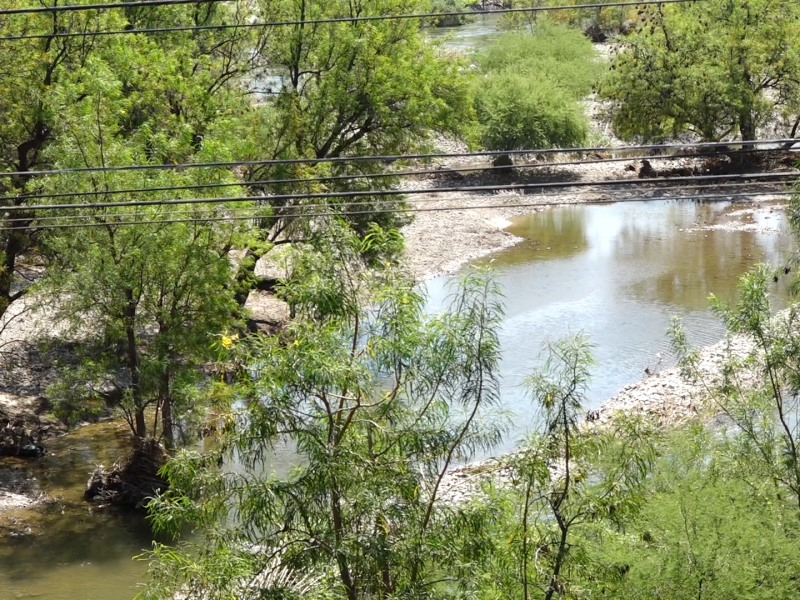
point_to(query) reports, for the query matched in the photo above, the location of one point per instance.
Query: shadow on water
(619, 272)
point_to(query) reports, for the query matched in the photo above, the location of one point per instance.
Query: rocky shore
(666, 397)
(453, 228)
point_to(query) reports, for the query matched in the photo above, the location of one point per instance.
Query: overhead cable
(57, 8)
(699, 198)
(357, 176)
(747, 146)
(399, 192)
(355, 19)
(412, 201)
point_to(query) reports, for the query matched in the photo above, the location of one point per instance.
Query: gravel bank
(452, 228)
(666, 397)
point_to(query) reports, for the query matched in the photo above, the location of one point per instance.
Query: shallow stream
(68, 549)
(617, 272)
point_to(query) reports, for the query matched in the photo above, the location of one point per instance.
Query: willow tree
(379, 400)
(571, 485)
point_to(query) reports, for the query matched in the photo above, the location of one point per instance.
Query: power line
(400, 192)
(299, 207)
(257, 24)
(747, 144)
(705, 197)
(100, 6)
(382, 175)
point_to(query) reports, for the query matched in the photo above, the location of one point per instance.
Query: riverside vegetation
(379, 399)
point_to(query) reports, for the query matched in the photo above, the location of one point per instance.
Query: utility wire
(350, 205)
(701, 198)
(100, 6)
(747, 147)
(400, 192)
(382, 175)
(257, 24)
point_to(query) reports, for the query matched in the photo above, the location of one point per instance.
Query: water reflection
(619, 272)
(683, 266)
(552, 234)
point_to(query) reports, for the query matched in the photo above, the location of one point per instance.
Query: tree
(31, 73)
(598, 23)
(450, 6)
(343, 89)
(162, 290)
(154, 296)
(717, 69)
(528, 95)
(145, 288)
(379, 400)
(756, 390)
(171, 97)
(339, 90)
(568, 482)
(359, 87)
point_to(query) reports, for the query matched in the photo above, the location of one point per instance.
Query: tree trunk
(166, 412)
(747, 124)
(18, 241)
(132, 358)
(345, 574)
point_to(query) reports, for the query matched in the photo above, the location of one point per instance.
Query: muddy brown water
(66, 548)
(617, 272)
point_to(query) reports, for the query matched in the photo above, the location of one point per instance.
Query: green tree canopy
(159, 99)
(717, 69)
(379, 400)
(529, 92)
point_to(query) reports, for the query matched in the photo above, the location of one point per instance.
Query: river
(617, 272)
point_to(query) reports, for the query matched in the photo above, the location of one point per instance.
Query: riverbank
(667, 398)
(450, 229)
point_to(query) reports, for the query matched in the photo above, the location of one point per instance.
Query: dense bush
(530, 90)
